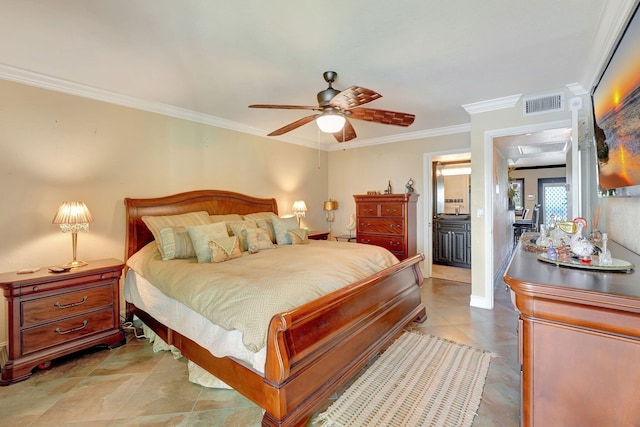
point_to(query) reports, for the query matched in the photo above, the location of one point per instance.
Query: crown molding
(492, 104)
(409, 136)
(44, 81)
(31, 78)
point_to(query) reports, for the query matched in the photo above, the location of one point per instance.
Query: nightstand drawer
(381, 226)
(66, 280)
(52, 334)
(65, 305)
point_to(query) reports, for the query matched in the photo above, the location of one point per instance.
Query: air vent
(543, 103)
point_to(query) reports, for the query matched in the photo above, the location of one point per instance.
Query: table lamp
(330, 206)
(73, 217)
(299, 209)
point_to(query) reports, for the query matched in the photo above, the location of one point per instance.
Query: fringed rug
(419, 380)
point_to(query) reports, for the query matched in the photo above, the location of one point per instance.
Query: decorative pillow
(237, 228)
(299, 236)
(226, 218)
(176, 243)
(201, 235)
(155, 223)
(281, 226)
(264, 220)
(257, 239)
(225, 249)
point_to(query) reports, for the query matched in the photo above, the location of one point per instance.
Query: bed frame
(312, 350)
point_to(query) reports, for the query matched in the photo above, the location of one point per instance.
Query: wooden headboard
(216, 202)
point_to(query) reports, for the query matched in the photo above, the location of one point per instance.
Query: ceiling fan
(336, 107)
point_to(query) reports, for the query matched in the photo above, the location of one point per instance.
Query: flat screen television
(616, 115)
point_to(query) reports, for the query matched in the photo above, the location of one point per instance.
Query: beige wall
(358, 170)
(57, 147)
(486, 250)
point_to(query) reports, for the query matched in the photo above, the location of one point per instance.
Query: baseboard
(480, 302)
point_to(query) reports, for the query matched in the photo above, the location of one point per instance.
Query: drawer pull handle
(73, 304)
(68, 331)
(392, 210)
(394, 243)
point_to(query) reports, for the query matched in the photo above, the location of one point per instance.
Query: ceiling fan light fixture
(330, 123)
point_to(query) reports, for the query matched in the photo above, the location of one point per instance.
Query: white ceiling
(211, 59)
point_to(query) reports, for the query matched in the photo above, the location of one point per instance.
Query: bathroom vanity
(452, 240)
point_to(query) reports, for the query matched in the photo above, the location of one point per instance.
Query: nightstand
(54, 314)
(318, 235)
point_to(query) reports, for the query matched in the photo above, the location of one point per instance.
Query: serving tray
(616, 264)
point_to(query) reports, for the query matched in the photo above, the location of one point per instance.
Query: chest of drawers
(54, 314)
(388, 220)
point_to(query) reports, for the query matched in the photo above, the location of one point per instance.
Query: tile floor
(132, 386)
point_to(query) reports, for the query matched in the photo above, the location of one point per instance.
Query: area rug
(419, 380)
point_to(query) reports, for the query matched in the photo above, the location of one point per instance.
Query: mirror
(452, 187)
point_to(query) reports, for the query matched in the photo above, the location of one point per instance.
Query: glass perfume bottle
(605, 254)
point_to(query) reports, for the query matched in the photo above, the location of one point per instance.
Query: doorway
(552, 194)
(429, 203)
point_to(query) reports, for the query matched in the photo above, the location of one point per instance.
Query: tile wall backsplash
(622, 219)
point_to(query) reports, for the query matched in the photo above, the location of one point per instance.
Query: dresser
(578, 342)
(54, 314)
(388, 220)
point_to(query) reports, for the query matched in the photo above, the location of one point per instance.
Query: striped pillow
(155, 223)
(176, 243)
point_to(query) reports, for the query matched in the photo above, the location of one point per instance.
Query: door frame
(487, 210)
(427, 185)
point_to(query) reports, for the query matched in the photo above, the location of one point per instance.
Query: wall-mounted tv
(616, 115)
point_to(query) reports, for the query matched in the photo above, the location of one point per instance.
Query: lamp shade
(299, 206)
(72, 213)
(330, 123)
(330, 205)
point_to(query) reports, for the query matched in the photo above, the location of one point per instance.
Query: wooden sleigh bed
(311, 351)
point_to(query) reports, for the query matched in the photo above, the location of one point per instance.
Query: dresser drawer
(391, 209)
(55, 333)
(368, 209)
(394, 244)
(381, 226)
(65, 305)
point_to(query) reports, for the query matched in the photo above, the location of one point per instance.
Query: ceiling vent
(539, 104)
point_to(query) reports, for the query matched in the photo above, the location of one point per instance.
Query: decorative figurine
(409, 186)
(551, 252)
(543, 241)
(581, 246)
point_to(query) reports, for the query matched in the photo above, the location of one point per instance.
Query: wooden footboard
(315, 349)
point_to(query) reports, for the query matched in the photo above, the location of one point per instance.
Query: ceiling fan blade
(293, 125)
(346, 134)
(353, 97)
(382, 116)
(285, 107)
